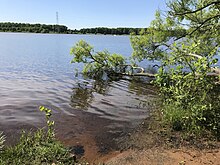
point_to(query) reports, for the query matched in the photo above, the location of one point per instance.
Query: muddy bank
(156, 156)
(148, 144)
(90, 137)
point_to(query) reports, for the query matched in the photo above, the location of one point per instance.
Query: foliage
(186, 62)
(42, 28)
(50, 124)
(2, 140)
(39, 147)
(119, 31)
(32, 28)
(185, 40)
(113, 31)
(98, 63)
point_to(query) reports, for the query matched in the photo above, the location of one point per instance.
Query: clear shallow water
(35, 70)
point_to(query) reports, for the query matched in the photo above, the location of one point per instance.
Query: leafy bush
(37, 148)
(96, 64)
(2, 140)
(187, 74)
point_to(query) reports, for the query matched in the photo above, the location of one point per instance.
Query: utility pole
(57, 21)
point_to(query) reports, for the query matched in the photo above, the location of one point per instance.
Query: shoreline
(148, 145)
(66, 33)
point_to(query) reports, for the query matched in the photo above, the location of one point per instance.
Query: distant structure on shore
(57, 29)
(57, 18)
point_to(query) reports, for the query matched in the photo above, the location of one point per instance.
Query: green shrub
(2, 140)
(37, 148)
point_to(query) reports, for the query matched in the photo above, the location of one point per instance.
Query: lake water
(35, 70)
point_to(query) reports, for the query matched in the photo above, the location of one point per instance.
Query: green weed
(38, 147)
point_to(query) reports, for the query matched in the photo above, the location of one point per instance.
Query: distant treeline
(123, 31)
(42, 28)
(104, 30)
(32, 28)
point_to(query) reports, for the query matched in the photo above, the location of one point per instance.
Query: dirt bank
(151, 144)
(158, 156)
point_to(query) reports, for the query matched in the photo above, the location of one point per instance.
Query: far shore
(64, 33)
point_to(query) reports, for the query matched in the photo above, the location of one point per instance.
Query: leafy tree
(185, 40)
(96, 64)
(187, 76)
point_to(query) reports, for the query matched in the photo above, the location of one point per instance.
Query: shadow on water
(84, 92)
(104, 111)
(87, 113)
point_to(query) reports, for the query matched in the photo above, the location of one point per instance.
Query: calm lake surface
(35, 70)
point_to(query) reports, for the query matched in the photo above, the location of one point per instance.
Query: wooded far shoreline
(62, 29)
(43, 28)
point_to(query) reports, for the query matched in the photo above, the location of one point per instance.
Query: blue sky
(78, 14)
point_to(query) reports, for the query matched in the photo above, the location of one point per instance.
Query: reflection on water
(83, 92)
(124, 100)
(37, 71)
(104, 111)
(81, 97)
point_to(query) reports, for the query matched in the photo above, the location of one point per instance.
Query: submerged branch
(194, 55)
(140, 74)
(133, 68)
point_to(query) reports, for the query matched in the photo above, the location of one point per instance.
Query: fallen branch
(214, 71)
(132, 69)
(140, 74)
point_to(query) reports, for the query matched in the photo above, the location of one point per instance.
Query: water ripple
(37, 71)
